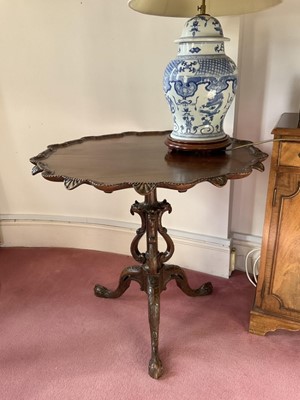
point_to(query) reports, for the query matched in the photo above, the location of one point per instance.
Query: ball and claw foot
(155, 368)
(205, 289)
(101, 291)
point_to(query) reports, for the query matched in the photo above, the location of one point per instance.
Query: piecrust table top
(142, 160)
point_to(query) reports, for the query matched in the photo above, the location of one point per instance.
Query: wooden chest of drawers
(277, 300)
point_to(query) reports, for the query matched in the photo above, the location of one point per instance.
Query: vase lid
(202, 28)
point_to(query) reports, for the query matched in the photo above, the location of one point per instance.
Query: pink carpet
(60, 342)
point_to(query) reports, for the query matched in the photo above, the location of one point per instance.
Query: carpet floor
(60, 342)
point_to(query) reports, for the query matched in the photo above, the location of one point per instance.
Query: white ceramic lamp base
(200, 85)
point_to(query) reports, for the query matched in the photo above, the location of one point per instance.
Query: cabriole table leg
(153, 292)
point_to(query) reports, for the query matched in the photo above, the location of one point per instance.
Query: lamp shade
(189, 8)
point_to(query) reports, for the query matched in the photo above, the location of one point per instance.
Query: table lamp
(201, 82)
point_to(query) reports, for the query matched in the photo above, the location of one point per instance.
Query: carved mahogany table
(142, 161)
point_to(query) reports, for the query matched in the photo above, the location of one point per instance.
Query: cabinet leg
(261, 323)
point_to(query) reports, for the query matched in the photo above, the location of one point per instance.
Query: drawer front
(289, 154)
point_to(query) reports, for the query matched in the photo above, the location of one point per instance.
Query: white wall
(269, 57)
(74, 68)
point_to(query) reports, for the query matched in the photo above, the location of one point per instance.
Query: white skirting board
(206, 254)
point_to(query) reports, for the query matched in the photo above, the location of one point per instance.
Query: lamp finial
(202, 8)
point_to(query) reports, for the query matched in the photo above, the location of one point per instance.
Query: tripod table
(141, 160)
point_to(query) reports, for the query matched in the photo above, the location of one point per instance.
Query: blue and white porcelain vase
(200, 83)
